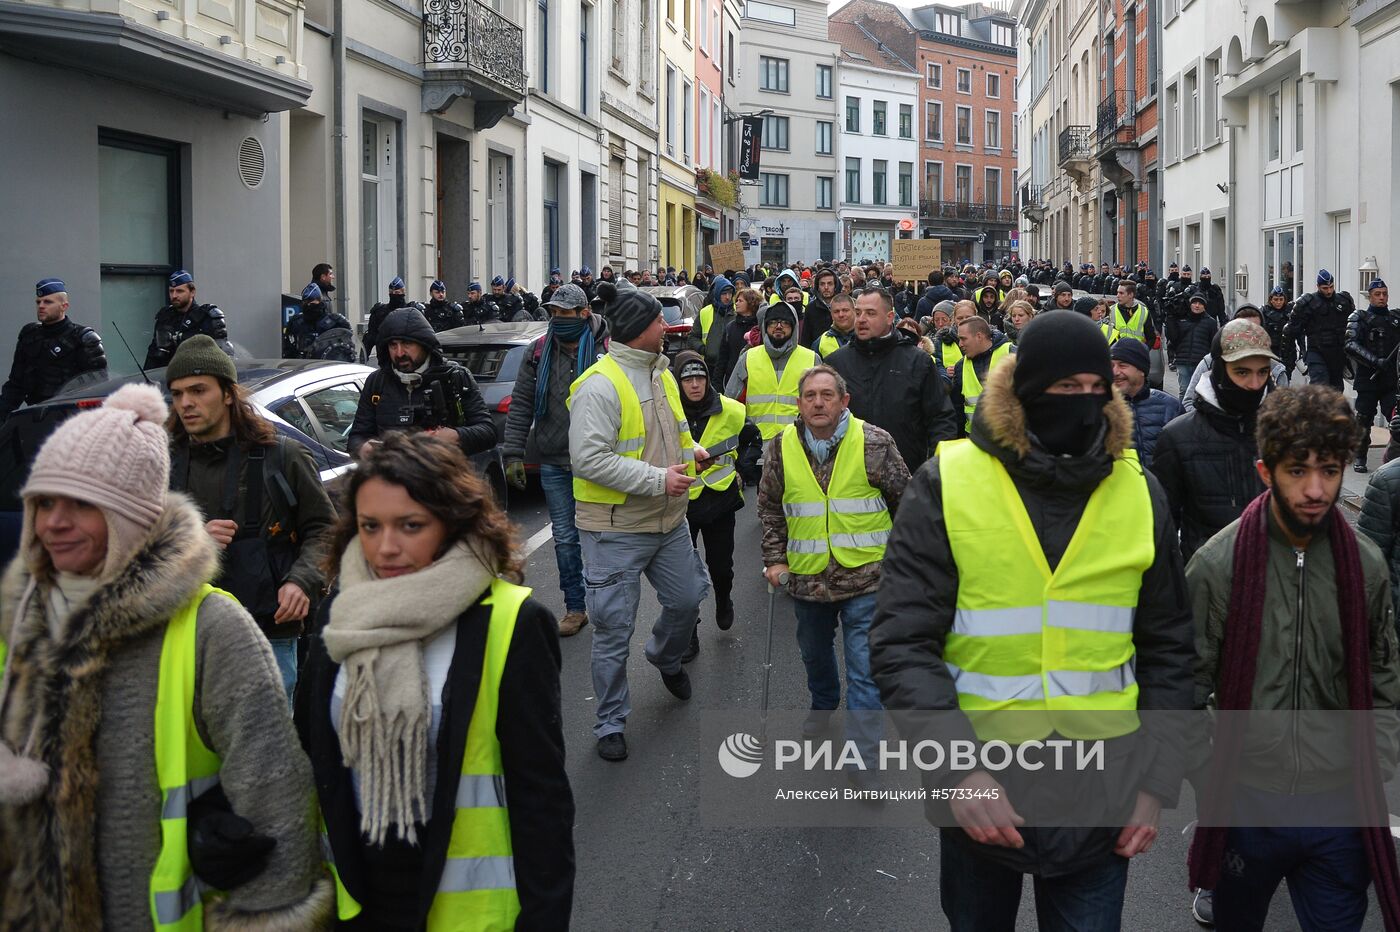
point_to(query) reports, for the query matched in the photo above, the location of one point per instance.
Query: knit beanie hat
(1057, 346)
(200, 355)
(1084, 305)
(116, 457)
(628, 313)
(1132, 352)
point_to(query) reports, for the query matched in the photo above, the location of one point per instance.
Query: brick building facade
(1126, 130)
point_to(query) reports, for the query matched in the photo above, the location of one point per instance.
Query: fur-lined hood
(1003, 417)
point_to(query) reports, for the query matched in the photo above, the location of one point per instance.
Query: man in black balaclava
(377, 314)
(1049, 460)
(1205, 459)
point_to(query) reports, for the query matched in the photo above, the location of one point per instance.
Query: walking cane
(768, 659)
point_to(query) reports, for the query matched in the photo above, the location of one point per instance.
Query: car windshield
(489, 362)
(671, 309)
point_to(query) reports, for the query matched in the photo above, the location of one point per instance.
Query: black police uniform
(309, 335)
(1372, 336)
(1322, 322)
(46, 357)
(1275, 319)
(174, 327)
(484, 311)
(444, 315)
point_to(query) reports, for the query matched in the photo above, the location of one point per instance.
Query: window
(877, 178)
(824, 82)
(670, 10)
(1275, 130)
(704, 26)
(332, 412)
(685, 24)
(852, 114)
(703, 156)
(770, 13)
(670, 112)
(1210, 116)
(823, 192)
(1015, 132)
(773, 74)
(948, 23)
(906, 121)
(964, 126)
(1190, 102)
(775, 132)
(992, 140)
(542, 48)
(992, 193)
(964, 81)
(852, 181)
(552, 172)
(906, 184)
(823, 137)
(933, 121)
(994, 86)
(716, 135)
(933, 76)
(1298, 115)
(585, 11)
(774, 189)
(646, 48)
(618, 36)
(729, 57)
(933, 181)
(1171, 118)
(1003, 35)
(828, 246)
(687, 122)
(963, 184)
(879, 127)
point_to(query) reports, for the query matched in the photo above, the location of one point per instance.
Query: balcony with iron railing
(1076, 144)
(471, 50)
(1116, 120)
(977, 211)
(1033, 202)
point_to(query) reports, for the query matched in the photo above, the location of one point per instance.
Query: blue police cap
(311, 292)
(1324, 277)
(1205, 271)
(497, 282)
(554, 271)
(510, 284)
(474, 286)
(585, 271)
(48, 286)
(1278, 290)
(181, 277)
(437, 285)
(396, 283)
(1375, 283)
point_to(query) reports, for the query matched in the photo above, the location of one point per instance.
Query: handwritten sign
(914, 258)
(728, 256)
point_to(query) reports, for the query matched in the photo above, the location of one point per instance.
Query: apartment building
(676, 185)
(1125, 135)
(629, 116)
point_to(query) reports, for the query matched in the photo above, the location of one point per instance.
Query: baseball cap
(569, 297)
(1241, 339)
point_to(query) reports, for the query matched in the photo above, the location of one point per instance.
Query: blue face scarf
(821, 449)
(567, 330)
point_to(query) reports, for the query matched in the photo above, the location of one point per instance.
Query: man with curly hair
(1293, 613)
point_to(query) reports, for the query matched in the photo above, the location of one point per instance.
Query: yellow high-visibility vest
(830, 343)
(631, 432)
(1134, 326)
(972, 386)
(952, 353)
(773, 405)
(721, 441)
(849, 520)
(476, 891)
(1056, 648)
(1110, 333)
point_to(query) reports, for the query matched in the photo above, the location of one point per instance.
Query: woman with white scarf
(430, 707)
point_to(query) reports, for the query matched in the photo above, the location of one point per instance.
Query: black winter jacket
(736, 340)
(46, 357)
(1372, 336)
(444, 315)
(1274, 322)
(387, 404)
(529, 728)
(1189, 338)
(916, 604)
(546, 440)
(1322, 322)
(1380, 521)
(1205, 461)
(173, 327)
(895, 385)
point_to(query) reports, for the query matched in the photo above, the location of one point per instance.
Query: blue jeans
(558, 485)
(980, 895)
(285, 650)
(1325, 868)
(816, 639)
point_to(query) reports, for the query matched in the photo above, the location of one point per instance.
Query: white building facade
(629, 117)
(877, 149)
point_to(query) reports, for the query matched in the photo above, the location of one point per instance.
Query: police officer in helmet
(181, 319)
(1373, 333)
(315, 332)
(441, 313)
(51, 351)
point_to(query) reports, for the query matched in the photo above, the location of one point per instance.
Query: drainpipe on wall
(338, 144)
(1230, 222)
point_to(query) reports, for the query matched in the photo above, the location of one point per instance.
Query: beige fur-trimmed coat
(81, 855)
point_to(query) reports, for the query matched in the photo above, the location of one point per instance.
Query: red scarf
(1235, 690)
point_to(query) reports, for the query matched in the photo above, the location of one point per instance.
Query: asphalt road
(648, 857)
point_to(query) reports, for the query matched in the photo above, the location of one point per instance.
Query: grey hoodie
(739, 378)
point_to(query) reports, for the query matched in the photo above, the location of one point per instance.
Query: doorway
(500, 191)
(454, 213)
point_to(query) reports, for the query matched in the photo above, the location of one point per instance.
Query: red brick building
(1126, 130)
(966, 59)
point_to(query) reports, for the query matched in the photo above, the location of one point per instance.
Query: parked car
(307, 400)
(492, 353)
(681, 305)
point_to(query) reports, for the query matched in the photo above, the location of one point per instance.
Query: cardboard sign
(914, 258)
(728, 256)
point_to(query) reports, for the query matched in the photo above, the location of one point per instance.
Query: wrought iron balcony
(470, 50)
(1116, 123)
(1033, 202)
(967, 210)
(1075, 144)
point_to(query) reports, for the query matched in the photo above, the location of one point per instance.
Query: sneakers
(724, 615)
(1203, 908)
(677, 684)
(693, 650)
(571, 623)
(1360, 464)
(816, 723)
(612, 747)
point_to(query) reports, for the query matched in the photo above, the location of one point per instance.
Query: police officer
(397, 299)
(1320, 318)
(1178, 291)
(1373, 333)
(1274, 317)
(478, 310)
(508, 305)
(181, 319)
(316, 333)
(441, 313)
(415, 388)
(1215, 298)
(50, 351)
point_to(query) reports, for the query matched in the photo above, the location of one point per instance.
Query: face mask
(568, 329)
(396, 301)
(1066, 425)
(1240, 402)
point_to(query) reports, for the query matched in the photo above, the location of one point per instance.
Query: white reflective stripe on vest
(630, 446)
(807, 546)
(718, 475)
(1082, 683)
(804, 509)
(783, 419)
(770, 399)
(996, 622)
(177, 800)
(460, 875)
(858, 506)
(172, 905)
(873, 539)
(997, 688)
(1084, 616)
(475, 791)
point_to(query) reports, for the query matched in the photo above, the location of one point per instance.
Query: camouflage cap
(1244, 338)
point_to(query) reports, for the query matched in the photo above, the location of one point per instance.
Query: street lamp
(1370, 271)
(743, 116)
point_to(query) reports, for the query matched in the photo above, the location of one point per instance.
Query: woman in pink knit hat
(149, 772)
